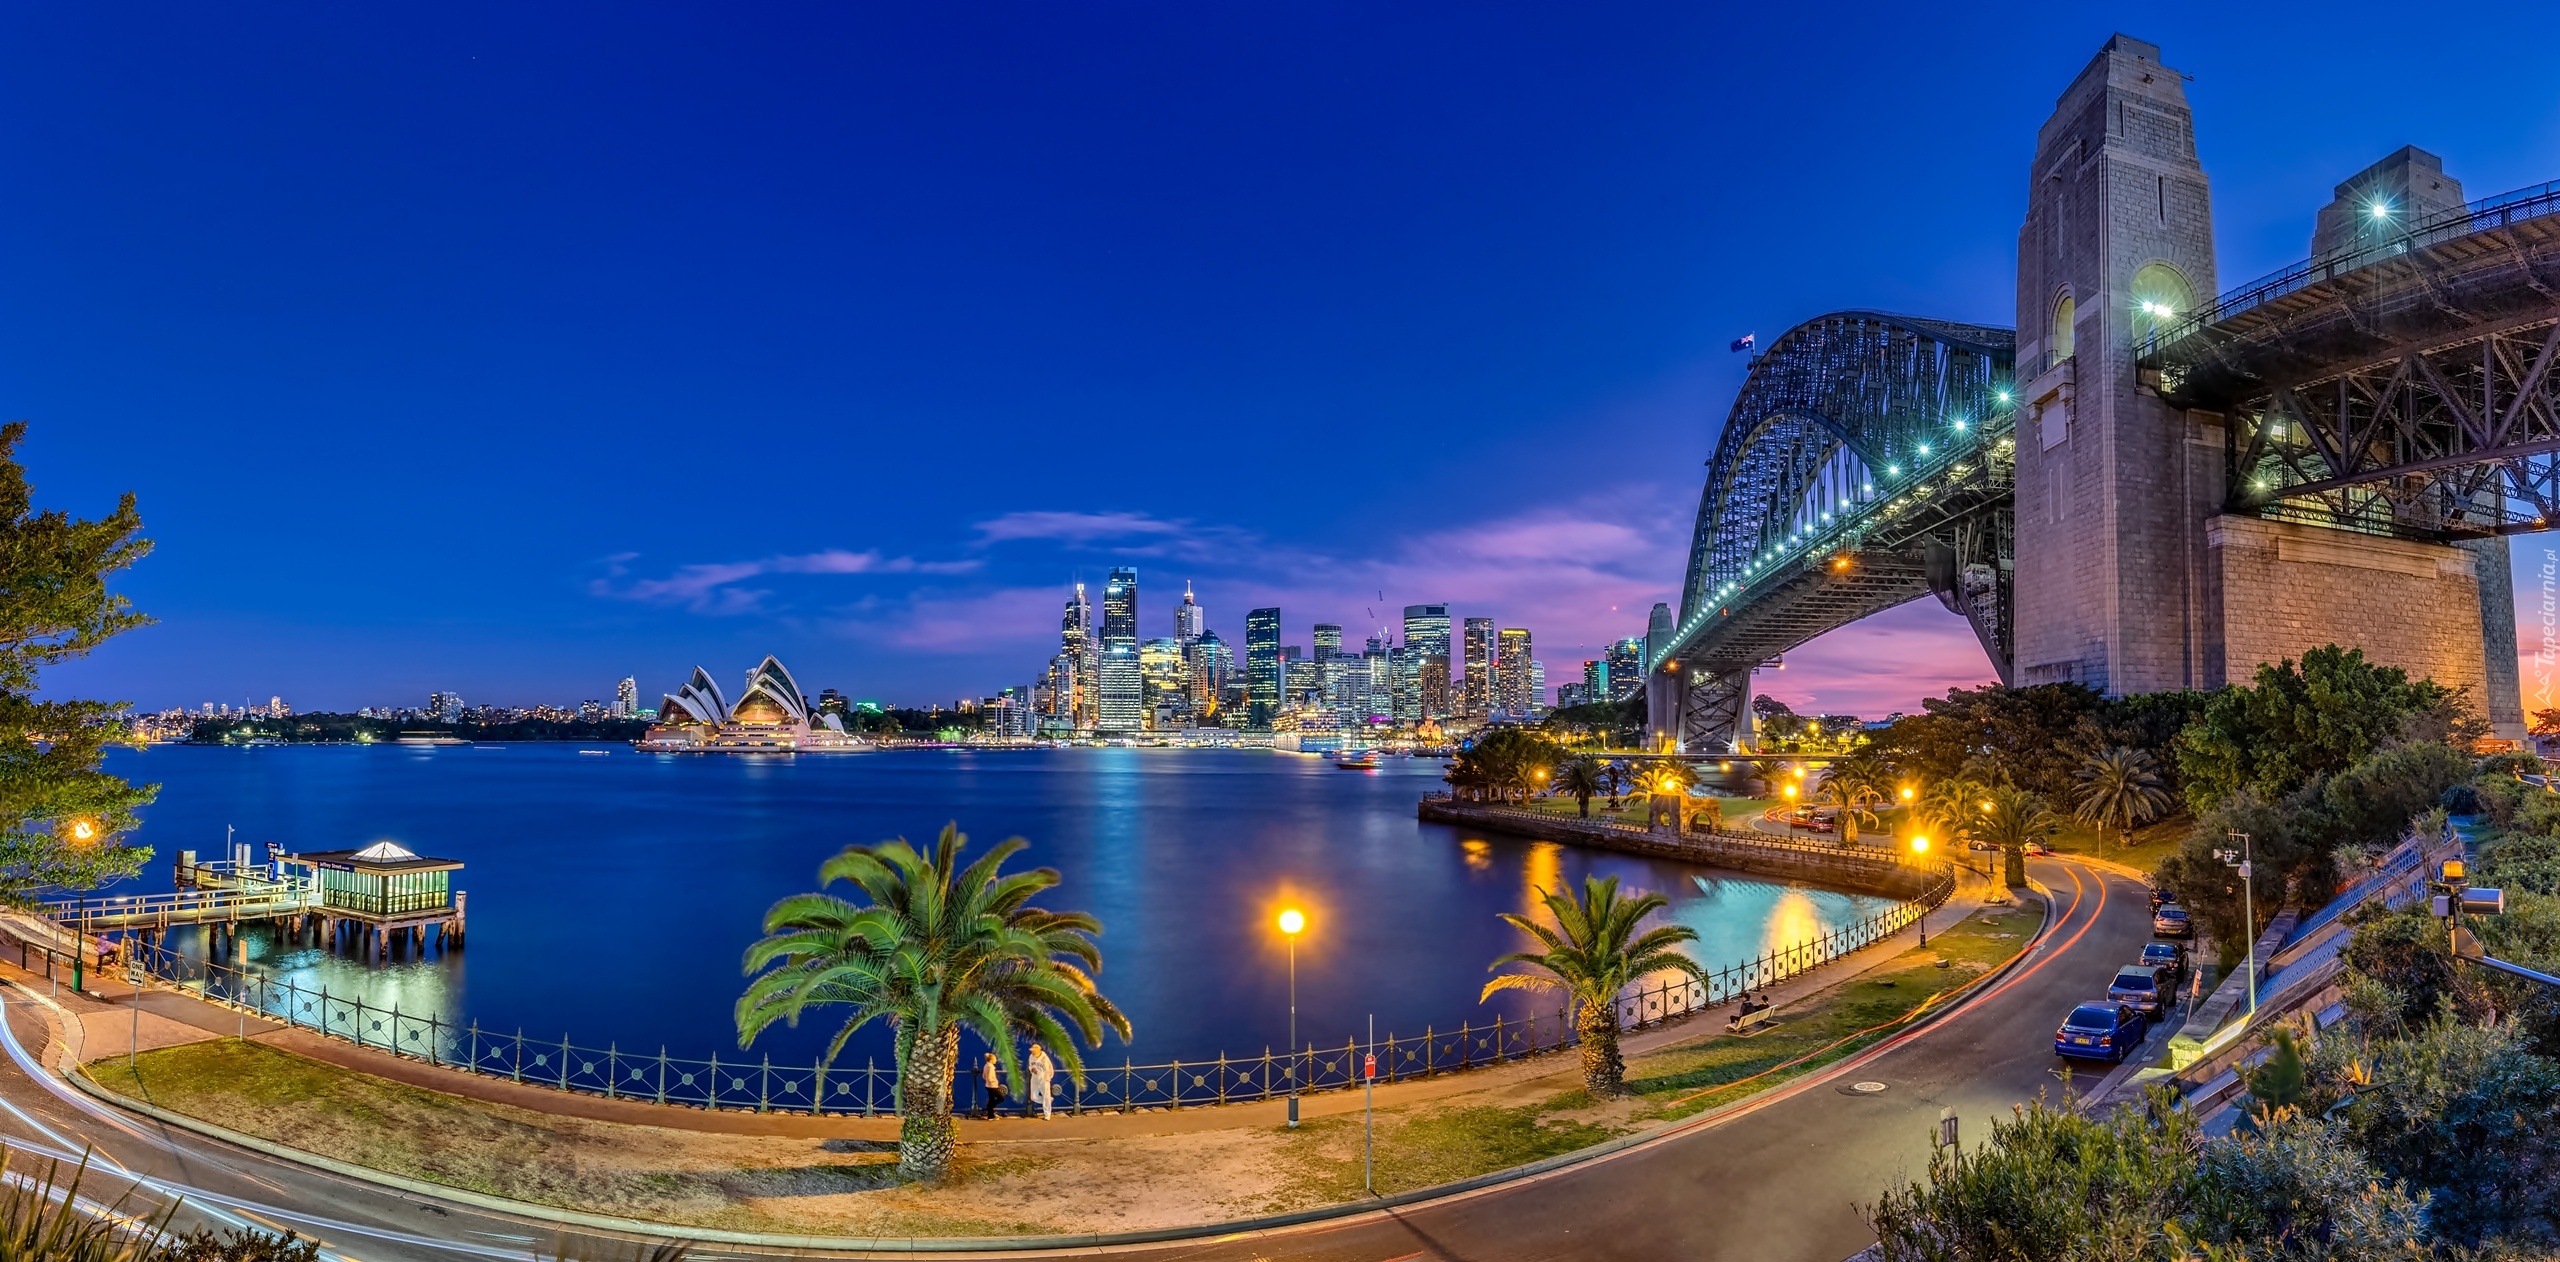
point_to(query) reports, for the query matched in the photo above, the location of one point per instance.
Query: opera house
(771, 717)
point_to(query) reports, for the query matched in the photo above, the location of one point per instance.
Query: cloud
(713, 588)
(1076, 527)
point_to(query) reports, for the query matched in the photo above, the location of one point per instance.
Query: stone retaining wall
(1834, 866)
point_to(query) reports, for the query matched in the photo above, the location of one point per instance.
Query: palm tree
(1846, 788)
(2120, 785)
(1582, 778)
(1953, 808)
(1593, 953)
(2009, 818)
(937, 948)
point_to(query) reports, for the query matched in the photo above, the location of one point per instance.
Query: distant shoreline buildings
(1415, 677)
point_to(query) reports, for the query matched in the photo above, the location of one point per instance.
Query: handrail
(762, 1086)
(2488, 212)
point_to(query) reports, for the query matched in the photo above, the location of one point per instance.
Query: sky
(512, 349)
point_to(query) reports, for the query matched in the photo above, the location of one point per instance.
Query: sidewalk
(170, 1018)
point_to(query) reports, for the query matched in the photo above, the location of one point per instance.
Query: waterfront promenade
(1982, 1058)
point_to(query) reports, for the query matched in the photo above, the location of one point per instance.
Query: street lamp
(2248, 911)
(83, 831)
(1291, 921)
(1920, 845)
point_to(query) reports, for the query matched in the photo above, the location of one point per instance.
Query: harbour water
(611, 897)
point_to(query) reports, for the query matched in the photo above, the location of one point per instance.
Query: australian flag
(1745, 342)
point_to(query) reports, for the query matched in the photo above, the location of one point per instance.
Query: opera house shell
(771, 717)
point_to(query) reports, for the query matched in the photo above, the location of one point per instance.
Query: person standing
(991, 1084)
(1041, 1073)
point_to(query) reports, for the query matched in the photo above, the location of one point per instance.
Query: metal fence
(759, 1084)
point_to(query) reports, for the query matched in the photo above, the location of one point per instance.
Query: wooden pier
(381, 901)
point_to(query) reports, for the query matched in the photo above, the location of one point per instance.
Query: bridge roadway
(1777, 1180)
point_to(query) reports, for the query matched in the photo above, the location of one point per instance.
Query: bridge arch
(1865, 462)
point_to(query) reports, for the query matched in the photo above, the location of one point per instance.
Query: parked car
(2169, 956)
(2171, 922)
(2142, 987)
(1979, 845)
(2037, 848)
(2100, 1031)
(2160, 895)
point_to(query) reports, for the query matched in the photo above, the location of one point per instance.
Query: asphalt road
(1777, 1180)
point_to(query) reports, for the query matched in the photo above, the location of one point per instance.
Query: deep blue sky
(512, 348)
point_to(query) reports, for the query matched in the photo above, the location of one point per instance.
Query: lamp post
(1920, 846)
(2248, 914)
(83, 831)
(1291, 921)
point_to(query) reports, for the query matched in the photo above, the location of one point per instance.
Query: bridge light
(1893, 470)
(1924, 449)
(1959, 424)
(2381, 210)
(1866, 488)
(2001, 395)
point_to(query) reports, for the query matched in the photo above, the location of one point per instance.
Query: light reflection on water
(611, 897)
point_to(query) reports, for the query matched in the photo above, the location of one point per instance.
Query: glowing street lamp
(1291, 921)
(82, 831)
(1906, 793)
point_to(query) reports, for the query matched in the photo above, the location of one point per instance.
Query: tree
(1582, 777)
(1953, 808)
(1504, 762)
(2028, 734)
(2120, 785)
(2011, 817)
(60, 814)
(1850, 791)
(1593, 952)
(936, 948)
(2294, 724)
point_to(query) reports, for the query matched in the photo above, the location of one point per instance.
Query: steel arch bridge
(1867, 461)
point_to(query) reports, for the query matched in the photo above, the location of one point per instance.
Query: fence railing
(1873, 854)
(759, 1083)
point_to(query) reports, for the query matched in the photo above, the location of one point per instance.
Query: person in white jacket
(1040, 1071)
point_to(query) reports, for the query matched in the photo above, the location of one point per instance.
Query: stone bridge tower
(2114, 486)
(2130, 577)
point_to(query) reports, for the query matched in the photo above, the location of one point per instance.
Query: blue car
(2100, 1031)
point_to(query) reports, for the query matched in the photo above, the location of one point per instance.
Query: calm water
(611, 896)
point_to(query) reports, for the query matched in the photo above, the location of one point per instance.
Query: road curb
(1349, 1213)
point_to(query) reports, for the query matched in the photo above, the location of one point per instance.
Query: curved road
(1779, 1179)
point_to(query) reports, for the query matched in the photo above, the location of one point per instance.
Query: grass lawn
(1418, 1147)
(2151, 843)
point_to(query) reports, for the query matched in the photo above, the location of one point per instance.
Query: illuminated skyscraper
(1512, 686)
(626, 698)
(1210, 661)
(1595, 679)
(1426, 637)
(1123, 683)
(1075, 673)
(1625, 676)
(1188, 618)
(1477, 700)
(1328, 642)
(1262, 679)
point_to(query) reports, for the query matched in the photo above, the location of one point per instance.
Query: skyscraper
(1595, 679)
(1167, 677)
(1537, 685)
(1512, 685)
(1625, 676)
(1382, 684)
(626, 698)
(1188, 618)
(1075, 674)
(1262, 679)
(1210, 661)
(1426, 636)
(1477, 701)
(1123, 687)
(1328, 642)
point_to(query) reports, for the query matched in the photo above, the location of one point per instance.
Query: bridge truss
(2407, 386)
(1867, 461)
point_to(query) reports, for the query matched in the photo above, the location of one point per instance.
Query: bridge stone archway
(1867, 461)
